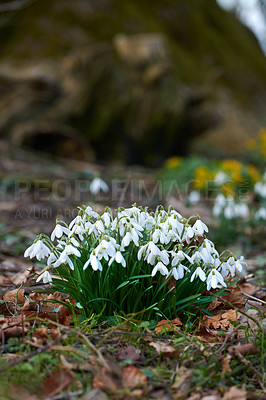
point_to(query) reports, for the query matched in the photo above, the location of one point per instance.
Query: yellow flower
(202, 175)
(173, 162)
(228, 189)
(253, 173)
(234, 168)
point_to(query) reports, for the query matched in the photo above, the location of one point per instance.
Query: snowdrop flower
(220, 178)
(213, 279)
(106, 249)
(89, 211)
(59, 231)
(189, 233)
(193, 197)
(200, 227)
(260, 189)
(260, 213)
(179, 271)
(198, 257)
(161, 268)
(198, 273)
(52, 258)
(98, 185)
(70, 249)
(45, 276)
(118, 257)
(180, 256)
(95, 263)
(128, 238)
(38, 249)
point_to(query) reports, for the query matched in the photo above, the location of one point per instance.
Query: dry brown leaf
(165, 349)
(108, 379)
(221, 321)
(133, 377)
(173, 325)
(130, 353)
(235, 393)
(183, 381)
(208, 335)
(244, 349)
(236, 297)
(15, 296)
(95, 394)
(226, 365)
(57, 381)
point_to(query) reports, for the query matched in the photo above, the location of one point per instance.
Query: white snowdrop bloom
(106, 249)
(220, 178)
(175, 224)
(198, 257)
(164, 257)
(240, 263)
(95, 263)
(45, 276)
(207, 256)
(59, 231)
(118, 257)
(90, 212)
(214, 278)
(179, 271)
(153, 252)
(198, 273)
(38, 250)
(242, 210)
(179, 256)
(230, 266)
(74, 241)
(229, 211)
(99, 225)
(78, 220)
(98, 185)
(70, 249)
(142, 251)
(106, 219)
(189, 233)
(200, 227)
(64, 259)
(160, 235)
(260, 213)
(128, 238)
(193, 197)
(260, 189)
(209, 246)
(161, 268)
(52, 258)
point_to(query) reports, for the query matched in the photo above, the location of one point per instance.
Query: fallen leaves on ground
(244, 349)
(171, 326)
(115, 378)
(132, 354)
(235, 393)
(221, 321)
(165, 349)
(57, 381)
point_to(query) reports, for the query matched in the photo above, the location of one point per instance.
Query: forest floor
(47, 354)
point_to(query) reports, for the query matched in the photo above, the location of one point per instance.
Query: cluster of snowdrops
(133, 260)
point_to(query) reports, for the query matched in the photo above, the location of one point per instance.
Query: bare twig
(253, 298)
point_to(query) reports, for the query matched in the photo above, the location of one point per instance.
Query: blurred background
(163, 99)
(132, 82)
